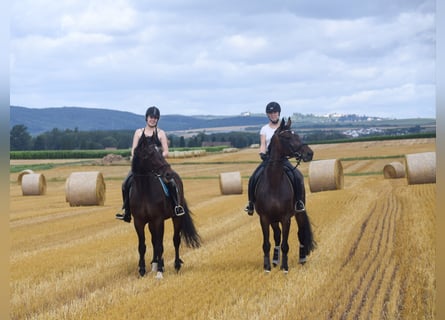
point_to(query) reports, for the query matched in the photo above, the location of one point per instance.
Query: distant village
(330, 117)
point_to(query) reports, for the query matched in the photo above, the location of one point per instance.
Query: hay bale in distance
(33, 184)
(85, 189)
(21, 174)
(421, 167)
(230, 183)
(394, 170)
(325, 175)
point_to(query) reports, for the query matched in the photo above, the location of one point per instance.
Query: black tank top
(153, 139)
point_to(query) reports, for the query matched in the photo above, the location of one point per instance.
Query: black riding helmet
(152, 112)
(273, 107)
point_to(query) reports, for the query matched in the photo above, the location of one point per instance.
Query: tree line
(56, 139)
(68, 139)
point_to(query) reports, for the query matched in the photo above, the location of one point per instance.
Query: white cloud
(226, 57)
(101, 16)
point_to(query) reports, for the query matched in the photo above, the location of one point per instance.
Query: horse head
(305, 153)
(291, 145)
(147, 158)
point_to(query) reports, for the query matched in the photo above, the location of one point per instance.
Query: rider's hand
(263, 156)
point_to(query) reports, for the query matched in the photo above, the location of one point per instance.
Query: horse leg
(154, 260)
(157, 230)
(277, 238)
(305, 236)
(285, 245)
(177, 243)
(139, 226)
(266, 243)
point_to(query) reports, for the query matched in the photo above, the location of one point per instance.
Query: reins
(153, 172)
(298, 156)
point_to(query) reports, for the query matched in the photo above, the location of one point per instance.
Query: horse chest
(274, 190)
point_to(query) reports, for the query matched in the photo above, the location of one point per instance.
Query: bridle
(295, 153)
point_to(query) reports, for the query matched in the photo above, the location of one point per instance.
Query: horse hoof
(178, 265)
(266, 271)
(142, 272)
(302, 261)
(159, 275)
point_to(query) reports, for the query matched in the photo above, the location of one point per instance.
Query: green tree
(40, 142)
(109, 142)
(19, 138)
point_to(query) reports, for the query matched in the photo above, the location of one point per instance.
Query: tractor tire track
(367, 260)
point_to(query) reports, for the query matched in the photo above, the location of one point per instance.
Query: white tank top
(268, 132)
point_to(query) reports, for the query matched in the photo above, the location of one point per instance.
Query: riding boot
(298, 186)
(251, 189)
(299, 193)
(126, 216)
(174, 192)
(126, 185)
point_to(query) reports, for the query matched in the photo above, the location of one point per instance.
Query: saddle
(289, 174)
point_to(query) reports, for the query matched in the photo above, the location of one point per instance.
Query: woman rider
(273, 110)
(158, 137)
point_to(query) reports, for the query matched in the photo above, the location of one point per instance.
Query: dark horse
(275, 198)
(150, 203)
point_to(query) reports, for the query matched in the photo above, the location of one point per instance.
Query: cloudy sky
(194, 57)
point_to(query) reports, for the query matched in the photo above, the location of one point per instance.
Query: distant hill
(38, 121)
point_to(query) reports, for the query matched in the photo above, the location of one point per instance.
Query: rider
(273, 110)
(156, 136)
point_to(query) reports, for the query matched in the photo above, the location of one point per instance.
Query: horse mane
(283, 127)
(147, 158)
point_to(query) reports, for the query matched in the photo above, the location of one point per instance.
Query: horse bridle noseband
(296, 154)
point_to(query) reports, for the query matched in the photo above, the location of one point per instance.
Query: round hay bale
(421, 167)
(325, 175)
(21, 174)
(230, 183)
(394, 170)
(85, 189)
(33, 184)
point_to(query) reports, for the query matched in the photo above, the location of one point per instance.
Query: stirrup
(123, 217)
(179, 210)
(249, 208)
(299, 206)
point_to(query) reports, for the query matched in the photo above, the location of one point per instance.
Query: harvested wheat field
(375, 257)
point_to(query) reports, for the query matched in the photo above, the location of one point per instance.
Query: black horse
(151, 203)
(275, 198)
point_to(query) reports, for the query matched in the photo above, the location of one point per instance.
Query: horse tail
(188, 229)
(305, 235)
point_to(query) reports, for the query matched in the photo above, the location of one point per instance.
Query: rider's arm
(136, 136)
(164, 142)
(263, 147)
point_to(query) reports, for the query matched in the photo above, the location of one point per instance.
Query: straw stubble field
(375, 257)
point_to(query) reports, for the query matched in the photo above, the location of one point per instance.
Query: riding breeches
(126, 185)
(253, 181)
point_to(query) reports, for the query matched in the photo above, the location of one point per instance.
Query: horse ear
(282, 124)
(289, 122)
